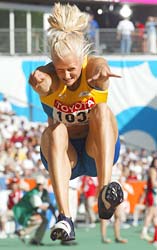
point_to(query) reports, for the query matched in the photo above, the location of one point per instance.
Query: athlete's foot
(121, 240)
(106, 240)
(154, 242)
(63, 229)
(109, 198)
(135, 224)
(22, 235)
(145, 236)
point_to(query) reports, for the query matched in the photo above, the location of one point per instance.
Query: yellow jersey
(73, 107)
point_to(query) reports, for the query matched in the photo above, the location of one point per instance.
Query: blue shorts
(85, 164)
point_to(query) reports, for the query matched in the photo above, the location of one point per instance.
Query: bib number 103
(69, 118)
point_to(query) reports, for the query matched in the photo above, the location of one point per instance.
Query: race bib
(77, 113)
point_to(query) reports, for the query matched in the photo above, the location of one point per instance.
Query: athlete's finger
(94, 78)
(114, 75)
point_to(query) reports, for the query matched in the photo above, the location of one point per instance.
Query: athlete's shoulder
(47, 68)
(95, 60)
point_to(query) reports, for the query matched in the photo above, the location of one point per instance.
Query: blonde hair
(66, 32)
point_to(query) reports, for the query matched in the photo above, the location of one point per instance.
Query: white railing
(34, 41)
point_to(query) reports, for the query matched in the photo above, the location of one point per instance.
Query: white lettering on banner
(76, 113)
(74, 107)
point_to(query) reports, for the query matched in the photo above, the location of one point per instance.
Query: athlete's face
(68, 69)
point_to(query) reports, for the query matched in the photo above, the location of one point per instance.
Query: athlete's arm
(41, 79)
(98, 73)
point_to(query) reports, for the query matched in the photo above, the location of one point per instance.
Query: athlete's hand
(40, 81)
(102, 74)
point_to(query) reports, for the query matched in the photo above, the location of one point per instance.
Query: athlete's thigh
(71, 152)
(90, 146)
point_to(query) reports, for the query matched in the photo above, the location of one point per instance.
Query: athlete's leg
(139, 208)
(117, 223)
(100, 145)
(103, 231)
(155, 226)
(147, 222)
(101, 140)
(61, 157)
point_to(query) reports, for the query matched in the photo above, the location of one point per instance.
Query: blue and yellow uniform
(71, 108)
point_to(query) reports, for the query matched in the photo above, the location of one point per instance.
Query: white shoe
(155, 244)
(145, 236)
(106, 240)
(125, 226)
(91, 225)
(63, 229)
(3, 235)
(135, 224)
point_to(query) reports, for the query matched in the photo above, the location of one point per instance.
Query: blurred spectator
(151, 34)
(29, 212)
(5, 132)
(17, 136)
(12, 125)
(89, 190)
(36, 154)
(132, 176)
(125, 29)
(28, 165)
(133, 154)
(103, 228)
(3, 212)
(15, 194)
(122, 145)
(139, 208)
(118, 174)
(17, 178)
(139, 37)
(151, 200)
(92, 27)
(6, 107)
(73, 197)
